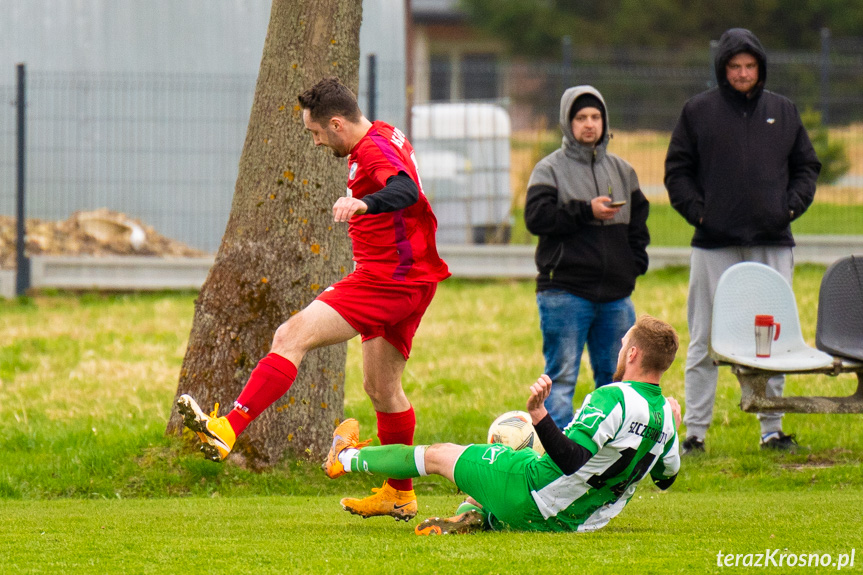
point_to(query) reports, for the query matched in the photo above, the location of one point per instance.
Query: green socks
(394, 461)
(465, 507)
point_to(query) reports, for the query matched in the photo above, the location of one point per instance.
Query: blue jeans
(567, 323)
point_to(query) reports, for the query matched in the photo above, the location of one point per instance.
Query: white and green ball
(514, 429)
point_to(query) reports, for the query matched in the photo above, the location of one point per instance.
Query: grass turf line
(673, 532)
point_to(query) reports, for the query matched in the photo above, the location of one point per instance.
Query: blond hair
(657, 341)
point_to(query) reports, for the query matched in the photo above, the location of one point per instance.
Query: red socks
(273, 377)
(397, 428)
(270, 380)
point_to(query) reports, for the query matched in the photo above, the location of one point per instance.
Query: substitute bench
(748, 289)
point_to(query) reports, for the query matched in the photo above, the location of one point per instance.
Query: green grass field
(89, 483)
(837, 209)
(668, 228)
(677, 532)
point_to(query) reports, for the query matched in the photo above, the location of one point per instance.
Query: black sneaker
(779, 441)
(691, 445)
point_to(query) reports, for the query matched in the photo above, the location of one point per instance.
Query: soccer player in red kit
(392, 230)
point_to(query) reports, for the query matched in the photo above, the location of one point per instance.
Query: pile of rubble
(96, 233)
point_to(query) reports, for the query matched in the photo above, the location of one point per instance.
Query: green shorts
(497, 477)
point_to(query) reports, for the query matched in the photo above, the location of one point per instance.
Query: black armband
(399, 193)
(566, 454)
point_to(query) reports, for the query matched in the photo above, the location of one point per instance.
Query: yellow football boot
(216, 434)
(402, 505)
(346, 435)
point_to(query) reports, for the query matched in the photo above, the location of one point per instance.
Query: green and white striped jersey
(629, 429)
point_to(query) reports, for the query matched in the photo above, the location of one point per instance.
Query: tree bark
(280, 247)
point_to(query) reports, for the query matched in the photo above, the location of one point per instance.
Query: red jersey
(397, 245)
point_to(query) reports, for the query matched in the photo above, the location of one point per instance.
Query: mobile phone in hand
(617, 204)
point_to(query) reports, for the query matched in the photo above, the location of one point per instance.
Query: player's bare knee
(386, 395)
(378, 396)
(289, 336)
(440, 458)
(282, 336)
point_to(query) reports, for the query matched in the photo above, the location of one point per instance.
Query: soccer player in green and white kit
(622, 432)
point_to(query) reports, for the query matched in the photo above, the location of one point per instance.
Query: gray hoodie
(571, 168)
(596, 260)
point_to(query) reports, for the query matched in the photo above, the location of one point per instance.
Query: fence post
(409, 70)
(825, 75)
(371, 112)
(565, 62)
(22, 263)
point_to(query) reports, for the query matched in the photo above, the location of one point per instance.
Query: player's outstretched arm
(400, 192)
(345, 208)
(568, 455)
(536, 402)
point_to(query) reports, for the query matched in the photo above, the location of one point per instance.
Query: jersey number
(618, 467)
(398, 138)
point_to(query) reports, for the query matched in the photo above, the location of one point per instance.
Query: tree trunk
(281, 247)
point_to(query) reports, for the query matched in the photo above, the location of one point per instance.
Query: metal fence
(645, 91)
(165, 148)
(649, 86)
(160, 148)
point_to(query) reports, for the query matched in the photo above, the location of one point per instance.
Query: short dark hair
(657, 341)
(328, 98)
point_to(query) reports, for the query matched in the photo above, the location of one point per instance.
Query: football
(514, 428)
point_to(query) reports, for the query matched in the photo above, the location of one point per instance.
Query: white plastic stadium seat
(748, 289)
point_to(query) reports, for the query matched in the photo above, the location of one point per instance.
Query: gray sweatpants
(705, 268)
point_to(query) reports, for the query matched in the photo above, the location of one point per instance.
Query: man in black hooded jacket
(740, 168)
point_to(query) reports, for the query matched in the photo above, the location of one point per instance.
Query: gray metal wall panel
(142, 106)
(165, 36)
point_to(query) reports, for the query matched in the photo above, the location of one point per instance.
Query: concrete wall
(131, 273)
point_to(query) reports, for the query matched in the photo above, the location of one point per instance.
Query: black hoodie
(740, 167)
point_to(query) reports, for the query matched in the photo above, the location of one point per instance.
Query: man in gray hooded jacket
(585, 205)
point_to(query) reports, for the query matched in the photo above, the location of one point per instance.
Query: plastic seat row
(748, 289)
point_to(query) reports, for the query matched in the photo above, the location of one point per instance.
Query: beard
(618, 373)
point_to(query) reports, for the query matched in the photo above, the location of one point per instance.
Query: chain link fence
(164, 149)
(645, 91)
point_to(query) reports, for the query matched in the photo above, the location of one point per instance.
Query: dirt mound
(97, 233)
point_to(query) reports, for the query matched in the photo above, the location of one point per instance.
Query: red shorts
(379, 308)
